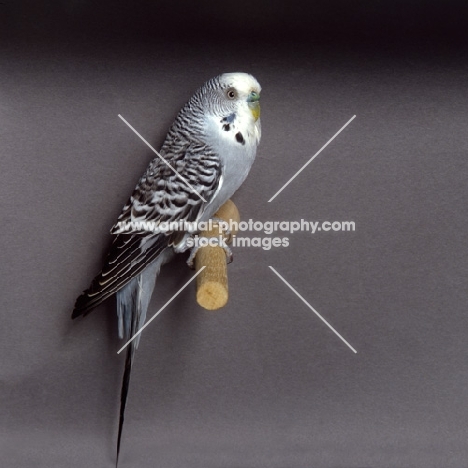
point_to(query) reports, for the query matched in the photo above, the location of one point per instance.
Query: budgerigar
(212, 145)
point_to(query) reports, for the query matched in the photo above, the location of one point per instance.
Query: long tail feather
(124, 394)
(132, 304)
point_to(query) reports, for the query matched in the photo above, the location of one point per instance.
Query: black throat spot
(240, 138)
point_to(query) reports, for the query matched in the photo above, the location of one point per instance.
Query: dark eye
(231, 93)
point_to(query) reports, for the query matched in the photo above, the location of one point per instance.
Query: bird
(205, 157)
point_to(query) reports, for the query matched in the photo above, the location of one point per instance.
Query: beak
(254, 104)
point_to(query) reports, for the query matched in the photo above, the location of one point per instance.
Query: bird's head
(233, 92)
(241, 88)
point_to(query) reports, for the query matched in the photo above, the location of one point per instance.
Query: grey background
(262, 382)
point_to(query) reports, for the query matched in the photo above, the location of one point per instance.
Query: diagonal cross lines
(272, 269)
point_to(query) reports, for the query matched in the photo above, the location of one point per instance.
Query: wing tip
(84, 305)
(80, 306)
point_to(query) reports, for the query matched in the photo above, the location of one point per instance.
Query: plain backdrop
(262, 382)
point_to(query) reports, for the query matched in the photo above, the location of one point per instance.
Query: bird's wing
(160, 196)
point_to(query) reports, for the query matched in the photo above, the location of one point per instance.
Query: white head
(227, 93)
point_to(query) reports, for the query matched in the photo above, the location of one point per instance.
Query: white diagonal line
(160, 310)
(312, 158)
(163, 160)
(313, 310)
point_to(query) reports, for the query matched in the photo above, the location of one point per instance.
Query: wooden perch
(212, 283)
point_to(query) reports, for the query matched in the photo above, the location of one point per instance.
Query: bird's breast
(236, 144)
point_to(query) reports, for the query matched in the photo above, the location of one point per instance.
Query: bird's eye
(231, 93)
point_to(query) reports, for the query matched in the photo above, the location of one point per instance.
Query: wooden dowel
(212, 283)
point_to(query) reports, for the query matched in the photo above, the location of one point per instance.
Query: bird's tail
(132, 304)
(123, 396)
